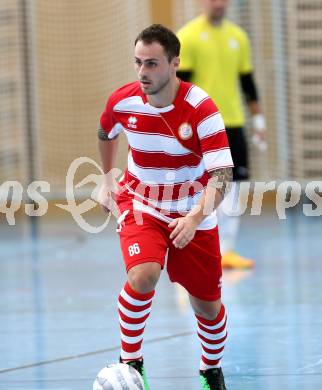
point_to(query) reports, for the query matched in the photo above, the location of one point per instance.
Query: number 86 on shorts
(134, 249)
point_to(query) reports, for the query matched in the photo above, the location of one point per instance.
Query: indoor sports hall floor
(58, 322)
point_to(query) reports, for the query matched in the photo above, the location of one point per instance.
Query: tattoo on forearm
(221, 180)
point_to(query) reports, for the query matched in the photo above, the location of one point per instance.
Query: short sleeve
(212, 137)
(186, 51)
(245, 61)
(110, 128)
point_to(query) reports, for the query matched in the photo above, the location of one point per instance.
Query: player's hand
(107, 199)
(259, 140)
(184, 230)
(259, 135)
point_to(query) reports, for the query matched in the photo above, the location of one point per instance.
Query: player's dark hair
(164, 36)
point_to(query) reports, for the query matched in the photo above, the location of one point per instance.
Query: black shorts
(239, 152)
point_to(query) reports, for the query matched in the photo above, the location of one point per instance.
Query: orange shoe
(232, 260)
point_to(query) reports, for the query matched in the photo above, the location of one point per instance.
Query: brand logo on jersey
(131, 122)
(204, 36)
(185, 131)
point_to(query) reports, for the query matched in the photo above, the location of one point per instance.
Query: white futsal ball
(118, 376)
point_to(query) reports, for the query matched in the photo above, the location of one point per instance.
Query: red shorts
(197, 267)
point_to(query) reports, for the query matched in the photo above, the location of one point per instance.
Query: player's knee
(209, 313)
(144, 278)
(143, 283)
(207, 310)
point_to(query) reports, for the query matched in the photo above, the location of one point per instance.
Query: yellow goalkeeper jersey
(217, 56)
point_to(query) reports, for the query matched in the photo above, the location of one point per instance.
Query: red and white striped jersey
(166, 177)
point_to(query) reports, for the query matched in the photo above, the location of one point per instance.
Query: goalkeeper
(216, 56)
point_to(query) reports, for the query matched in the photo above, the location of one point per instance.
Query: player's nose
(142, 72)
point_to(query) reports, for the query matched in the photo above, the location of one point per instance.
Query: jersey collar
(167, 108)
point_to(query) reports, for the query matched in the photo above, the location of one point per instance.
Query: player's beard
(218, 16)
(157, 88)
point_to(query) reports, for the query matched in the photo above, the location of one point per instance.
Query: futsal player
(216, 56)
(177, 146)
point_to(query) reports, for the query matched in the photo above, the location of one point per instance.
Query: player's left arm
(218, 186)
(249, 88)
(258, 119)
(218, 162)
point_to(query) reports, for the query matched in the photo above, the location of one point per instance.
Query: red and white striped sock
(134, 309)
(212, 334)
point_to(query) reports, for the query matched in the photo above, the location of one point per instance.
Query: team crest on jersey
(233, 43)
(185, 131)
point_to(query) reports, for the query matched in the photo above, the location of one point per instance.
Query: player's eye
(151, 64)
(138, 62)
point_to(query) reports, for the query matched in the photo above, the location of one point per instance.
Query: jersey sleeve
(212, 137)
(110, 128)
(245, 65)
(186, 51)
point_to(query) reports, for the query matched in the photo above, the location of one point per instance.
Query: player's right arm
(185, 75)
(108, 152)
(108, 142)
(186, 67)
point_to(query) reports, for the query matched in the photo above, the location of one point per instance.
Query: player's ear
(176, 62)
